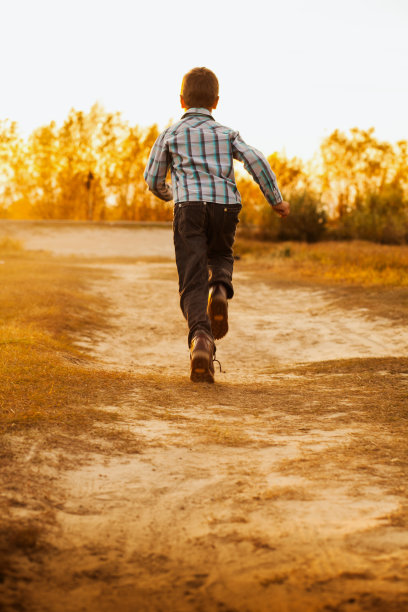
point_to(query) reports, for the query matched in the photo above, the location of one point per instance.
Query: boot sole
(200, 368)
(218, 313)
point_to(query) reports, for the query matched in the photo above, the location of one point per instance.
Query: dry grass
(42, 384)
(10, 246)
(44, 307)
(48, 294)
(354, 263)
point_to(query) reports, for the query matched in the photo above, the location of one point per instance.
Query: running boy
(200, 153)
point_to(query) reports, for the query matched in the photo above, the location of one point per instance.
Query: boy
(200, 153)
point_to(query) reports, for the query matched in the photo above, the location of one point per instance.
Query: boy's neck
(202, 107)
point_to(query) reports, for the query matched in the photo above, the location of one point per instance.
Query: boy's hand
(283, 209)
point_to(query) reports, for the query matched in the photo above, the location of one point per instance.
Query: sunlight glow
(289, 73)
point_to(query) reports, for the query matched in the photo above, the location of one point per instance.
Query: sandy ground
(91, 240)
(248, 495)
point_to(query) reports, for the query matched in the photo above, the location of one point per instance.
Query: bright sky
(290, 72)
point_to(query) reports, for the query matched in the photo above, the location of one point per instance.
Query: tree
(129, 191)
(365, 186)
(354, 165)
(14, 168)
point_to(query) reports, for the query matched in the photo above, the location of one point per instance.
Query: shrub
(307, 220)
(379, 216)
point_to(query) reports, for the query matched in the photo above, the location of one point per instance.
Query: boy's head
(199, 89)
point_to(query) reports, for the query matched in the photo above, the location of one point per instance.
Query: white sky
(290, 72)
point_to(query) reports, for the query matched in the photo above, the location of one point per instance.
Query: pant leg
(223, 221)
(190, 242)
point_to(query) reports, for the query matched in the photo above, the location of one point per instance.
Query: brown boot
(218, 310)
(201, 358)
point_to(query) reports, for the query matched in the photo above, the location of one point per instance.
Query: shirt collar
(197, 111)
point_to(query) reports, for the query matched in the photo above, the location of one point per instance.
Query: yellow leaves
(290, 172)
(47, 175)
(359, 181)
(357, 164)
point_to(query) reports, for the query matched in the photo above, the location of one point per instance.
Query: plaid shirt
(200, 154)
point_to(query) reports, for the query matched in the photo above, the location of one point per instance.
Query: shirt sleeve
(258, 167)
(156, 169)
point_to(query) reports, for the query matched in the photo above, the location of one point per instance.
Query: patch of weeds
(355, 262)
(44, 307)
(10, 245)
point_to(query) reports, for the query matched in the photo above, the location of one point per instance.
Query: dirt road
(276, 489)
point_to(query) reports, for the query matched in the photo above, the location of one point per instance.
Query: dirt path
(269, 326)
(269, 491)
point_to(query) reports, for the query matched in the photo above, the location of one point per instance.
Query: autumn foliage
(91, 168)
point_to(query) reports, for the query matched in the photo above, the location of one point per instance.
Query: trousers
(204, 234)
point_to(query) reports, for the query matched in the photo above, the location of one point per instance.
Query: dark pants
(204, 234)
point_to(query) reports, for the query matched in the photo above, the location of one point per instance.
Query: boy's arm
(258, 167)
(156, 170)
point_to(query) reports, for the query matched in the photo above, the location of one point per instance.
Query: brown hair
(199, 88)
